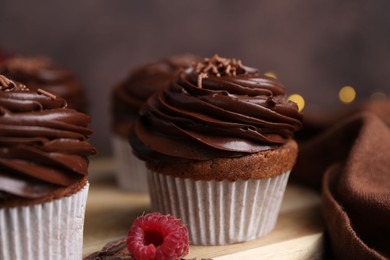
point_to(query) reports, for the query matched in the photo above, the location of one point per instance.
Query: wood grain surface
(298, 233)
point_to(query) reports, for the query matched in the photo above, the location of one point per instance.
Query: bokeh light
(299, 100)
(347, 94)
(271, 74)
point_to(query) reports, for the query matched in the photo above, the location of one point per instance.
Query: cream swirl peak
(130, 94)
(216, 108)
(41, 72)
(43, 144)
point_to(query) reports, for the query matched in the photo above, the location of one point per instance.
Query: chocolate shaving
(5, 82)
(48, 94)
(219, 66)
(8, 85)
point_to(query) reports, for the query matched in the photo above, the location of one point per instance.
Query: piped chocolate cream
(41, 72)
(43, 144)
(216, 108)
(130, 94)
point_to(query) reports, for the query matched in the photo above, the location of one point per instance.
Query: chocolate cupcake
(40, 72)
(127, 98)
(218, 143)
(43, 174)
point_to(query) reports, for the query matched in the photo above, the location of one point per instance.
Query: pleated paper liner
(131, 173)
(220, 212)
(51, 230)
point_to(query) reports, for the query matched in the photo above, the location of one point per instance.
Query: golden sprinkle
(48, 94)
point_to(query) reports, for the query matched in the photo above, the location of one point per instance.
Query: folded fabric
(348, 155)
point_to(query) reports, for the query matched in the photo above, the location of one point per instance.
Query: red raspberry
(159, 237)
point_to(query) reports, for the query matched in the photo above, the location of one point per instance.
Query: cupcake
(218, 145)
(43, 174)
(40, 72)
(127, 98)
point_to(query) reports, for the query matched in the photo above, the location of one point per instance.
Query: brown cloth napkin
(348, 155)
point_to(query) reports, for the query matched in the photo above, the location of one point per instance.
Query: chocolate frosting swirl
(216, 108)
(43, 144)
(40, 72)
(130, 94)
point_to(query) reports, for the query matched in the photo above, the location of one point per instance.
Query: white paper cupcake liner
(51, 230)
(131, 172)
(220, 212)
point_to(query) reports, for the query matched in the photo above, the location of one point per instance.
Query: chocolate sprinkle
(219, 66)
(48, 94)
(200, 77)
(7, 85)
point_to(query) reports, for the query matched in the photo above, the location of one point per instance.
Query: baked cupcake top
(43, 144)
(130, 94)
(216, 108)
(40, 72)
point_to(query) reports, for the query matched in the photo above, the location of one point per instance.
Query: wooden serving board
(298, 233)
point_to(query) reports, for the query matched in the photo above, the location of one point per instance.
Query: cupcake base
(131, 173)
(51, 230)
(220, 212)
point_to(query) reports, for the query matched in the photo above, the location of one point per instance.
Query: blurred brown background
(315, 47)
